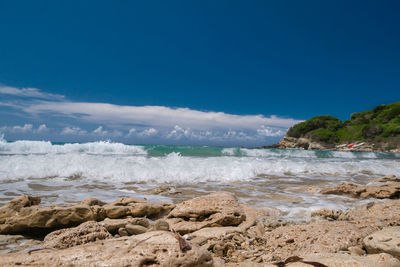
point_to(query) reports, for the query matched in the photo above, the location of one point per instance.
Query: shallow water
(284, 179)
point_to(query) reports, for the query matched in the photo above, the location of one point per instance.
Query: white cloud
(73, 130)
(22, 129)
(158, 116)
(42, 128)
(148, 132)
(99, 131)
(28, 92)
(26, 128)
(178, 133)
(131, 132)
(268, 131)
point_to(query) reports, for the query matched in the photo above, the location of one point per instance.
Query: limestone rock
(135, 208)
(382, 214)
(345, 260)
(157, 248)
(36, 217)
(160, 225)
(342, 189)
(112, 225)
(17, 243)
(92, 202)
(387, 178)
(135, 229)
(387, 240)
(384, 190)
(69, 237)
(123, 232)
(22, 214)
(216, 209)
(327, 214)
(315, 237)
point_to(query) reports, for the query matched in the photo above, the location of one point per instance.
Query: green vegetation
(381, 124)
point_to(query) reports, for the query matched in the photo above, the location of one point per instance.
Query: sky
(191, 72)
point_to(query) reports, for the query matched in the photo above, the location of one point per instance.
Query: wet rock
(384, 190)
(24, 215)
(387, 240)
(35, 217)
(135, 229)
(387, 178)
(136, 208)
(23, 201)
(84, 233)
(157, 248)
(342, 189)
(327, 214)
(16, 243)
(213, 210)
(163, 190)
(112, 225)
(92, 202)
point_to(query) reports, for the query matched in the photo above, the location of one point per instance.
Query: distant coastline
(376, 130)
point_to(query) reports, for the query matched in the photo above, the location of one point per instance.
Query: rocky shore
(308, 144)
(210, 230)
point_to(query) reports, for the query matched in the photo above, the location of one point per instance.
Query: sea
(286, 180)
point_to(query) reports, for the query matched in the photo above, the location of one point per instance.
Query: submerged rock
(157, 248)
(85, 233)
(16, 243)
(216, 209)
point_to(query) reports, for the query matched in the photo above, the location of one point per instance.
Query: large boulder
(85, 233)
(387, 240)
(213, 210)
(159, 248)
(23, 215)
(29, 219)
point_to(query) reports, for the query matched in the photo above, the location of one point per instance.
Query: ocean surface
(287, 180)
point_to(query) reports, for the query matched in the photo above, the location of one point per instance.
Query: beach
(275, 191)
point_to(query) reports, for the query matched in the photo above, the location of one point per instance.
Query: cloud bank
(141, 122)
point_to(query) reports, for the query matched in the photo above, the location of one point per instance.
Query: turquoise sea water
(287, 179)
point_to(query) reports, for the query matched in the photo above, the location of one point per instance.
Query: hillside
(378, 129)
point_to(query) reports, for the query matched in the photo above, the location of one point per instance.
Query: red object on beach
(350, 145)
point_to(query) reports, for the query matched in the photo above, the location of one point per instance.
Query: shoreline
(218, 229)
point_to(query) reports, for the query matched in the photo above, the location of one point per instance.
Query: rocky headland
(375, 130)
(210, 230)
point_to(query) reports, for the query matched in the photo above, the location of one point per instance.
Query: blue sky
(186, 72)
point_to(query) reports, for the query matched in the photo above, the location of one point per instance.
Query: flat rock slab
(342, 260)
(213, 210)
(380, 191)
(157, 248)
(24, 215)
(387, 240)
(315, 237)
